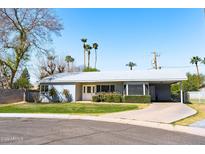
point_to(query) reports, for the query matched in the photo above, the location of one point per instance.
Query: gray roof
(163, 75)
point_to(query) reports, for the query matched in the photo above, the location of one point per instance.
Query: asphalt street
(84, 132)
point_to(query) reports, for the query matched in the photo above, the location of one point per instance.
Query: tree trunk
(197, 69)
(130, 67)
(95, 58)
(68, 67)
(84, 56)
(12, 80)
(89, 59)
(72, 67)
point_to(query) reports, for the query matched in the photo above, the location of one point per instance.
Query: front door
(88, 92)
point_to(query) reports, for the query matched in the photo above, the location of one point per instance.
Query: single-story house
(83, 85)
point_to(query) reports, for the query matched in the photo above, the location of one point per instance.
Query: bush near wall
(137, 99)
(107, 97)
(117, 98)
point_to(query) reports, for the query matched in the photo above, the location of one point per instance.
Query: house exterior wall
(59, 88)
(158, 92)
(71, 88)
(78, 92)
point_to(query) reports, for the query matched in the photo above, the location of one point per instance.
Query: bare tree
(61, 66)
(50, 66)
(23, 31)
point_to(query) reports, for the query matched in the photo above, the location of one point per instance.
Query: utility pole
(155, 62)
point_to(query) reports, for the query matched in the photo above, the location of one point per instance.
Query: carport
(161, 91)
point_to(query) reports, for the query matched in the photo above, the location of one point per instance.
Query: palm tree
(95, 46)
(84, 40)
(88, 48)
(195, 60)
(72, 60)
(203, 61)
(69, 60)
(131, 65)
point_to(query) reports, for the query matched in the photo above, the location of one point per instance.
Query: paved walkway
(156, 112)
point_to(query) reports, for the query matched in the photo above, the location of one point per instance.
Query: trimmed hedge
(107, 97)
(117, 98)
(137, 99)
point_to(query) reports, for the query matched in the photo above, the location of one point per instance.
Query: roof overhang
(152, 76)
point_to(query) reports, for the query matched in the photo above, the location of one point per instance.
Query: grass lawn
(199, 116)
(69, 108)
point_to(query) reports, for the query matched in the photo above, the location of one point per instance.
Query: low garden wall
(11, 95)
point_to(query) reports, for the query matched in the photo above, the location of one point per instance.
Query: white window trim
(136, 83)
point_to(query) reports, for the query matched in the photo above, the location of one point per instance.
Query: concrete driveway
(156, 112)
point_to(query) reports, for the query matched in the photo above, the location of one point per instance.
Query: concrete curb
(169, 127)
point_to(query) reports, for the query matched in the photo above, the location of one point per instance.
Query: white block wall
(196, 96)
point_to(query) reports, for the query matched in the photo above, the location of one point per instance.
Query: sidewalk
(170, 127)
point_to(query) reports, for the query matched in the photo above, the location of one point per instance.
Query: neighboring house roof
(167, 75)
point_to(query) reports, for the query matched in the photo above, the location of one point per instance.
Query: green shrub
(107, 97)
(117, 98)
(137, 99)
(90, 70)
(66, 92)
(52, 92)
(96, 98)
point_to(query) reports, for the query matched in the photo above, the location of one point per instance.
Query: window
(98, 88)
(84, 89)
(93, 89)
(112, 88)
(88, 89)
(135, 89)
(105, 88)
(44, 89)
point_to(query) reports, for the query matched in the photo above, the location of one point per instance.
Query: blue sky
(127, 35)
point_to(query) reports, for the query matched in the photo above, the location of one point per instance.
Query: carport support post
(126, 89)
(144, 93)
(181, 93)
